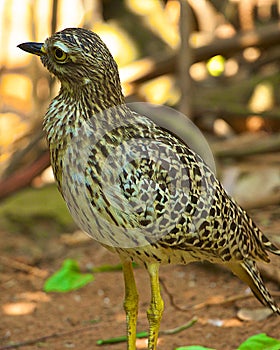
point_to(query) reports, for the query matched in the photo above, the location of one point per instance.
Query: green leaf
(193, 347)
(109, 268)
(67, 278)
(260, 342)
(120, 339)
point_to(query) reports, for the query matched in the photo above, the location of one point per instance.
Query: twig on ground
(146, 334)
(17, 265)
(216, 300)
(46, 337)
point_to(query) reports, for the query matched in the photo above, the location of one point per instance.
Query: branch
(185, 58)
(152, 67)
(239, 147)
(212, 301)
(18, 265)
(24, 177)
(46, 337)
(140, 335)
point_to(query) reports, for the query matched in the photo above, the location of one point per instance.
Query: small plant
(67, 278)
(256, 342)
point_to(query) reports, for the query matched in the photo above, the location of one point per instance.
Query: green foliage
(260, 342)
(109, 268)
(67, 278)
(256, 342)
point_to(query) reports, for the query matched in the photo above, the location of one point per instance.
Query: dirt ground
(76, 320)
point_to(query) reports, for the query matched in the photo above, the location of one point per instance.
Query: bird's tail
(270, 246)
(248, 272)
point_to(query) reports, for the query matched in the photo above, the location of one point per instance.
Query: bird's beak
(35, 48)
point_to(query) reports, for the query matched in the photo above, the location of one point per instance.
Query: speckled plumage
(137, 187)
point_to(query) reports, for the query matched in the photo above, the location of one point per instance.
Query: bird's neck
(99, 95)
(84, 104)
(79, 119)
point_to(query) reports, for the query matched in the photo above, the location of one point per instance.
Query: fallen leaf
(67, 278)
(254, 314)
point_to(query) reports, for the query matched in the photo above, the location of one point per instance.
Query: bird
(133, 185)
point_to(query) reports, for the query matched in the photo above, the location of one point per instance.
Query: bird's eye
(60, 55)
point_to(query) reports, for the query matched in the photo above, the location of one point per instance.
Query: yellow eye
(60, 55)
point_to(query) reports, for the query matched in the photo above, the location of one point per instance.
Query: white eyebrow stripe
(61, 46)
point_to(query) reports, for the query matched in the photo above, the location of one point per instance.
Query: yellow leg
(155, 310)
(130, 304)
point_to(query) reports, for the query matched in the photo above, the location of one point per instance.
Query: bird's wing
(146, 182)
(166, 190)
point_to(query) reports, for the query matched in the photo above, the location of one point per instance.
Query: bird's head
(77, 57)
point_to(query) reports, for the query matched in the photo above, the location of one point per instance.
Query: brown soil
(95, 311)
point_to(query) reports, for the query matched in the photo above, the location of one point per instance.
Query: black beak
(35, 48)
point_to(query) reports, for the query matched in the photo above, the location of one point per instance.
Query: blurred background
(215, 61)
(218, 62)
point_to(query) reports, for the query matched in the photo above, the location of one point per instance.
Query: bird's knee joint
(155, 311)
(131, 303)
